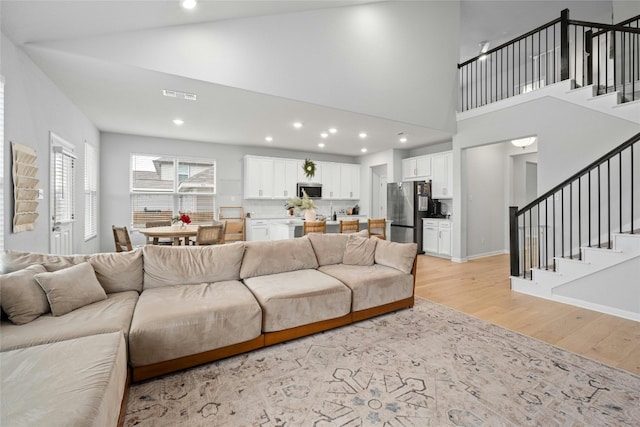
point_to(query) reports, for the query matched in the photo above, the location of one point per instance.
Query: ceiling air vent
(178, 94)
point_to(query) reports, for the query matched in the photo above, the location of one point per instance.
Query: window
(90, 192)
(63, 185)
(163, 187)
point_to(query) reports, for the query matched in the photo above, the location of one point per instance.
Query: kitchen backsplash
(275, 208)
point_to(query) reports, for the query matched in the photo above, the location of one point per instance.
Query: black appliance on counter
(407, 203)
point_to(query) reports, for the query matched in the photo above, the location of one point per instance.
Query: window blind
(63, 185)
(90, 192)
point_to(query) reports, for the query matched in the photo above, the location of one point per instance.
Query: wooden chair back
(378, 228)
(211, 234)
(122, 240)
(234, 217)
(155, 240)
(349, 226)
(315, 227)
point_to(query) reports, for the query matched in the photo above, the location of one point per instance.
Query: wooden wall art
(25, 187)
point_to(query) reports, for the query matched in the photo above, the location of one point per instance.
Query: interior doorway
(379, 191)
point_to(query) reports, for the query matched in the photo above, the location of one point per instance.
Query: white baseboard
(488, 254)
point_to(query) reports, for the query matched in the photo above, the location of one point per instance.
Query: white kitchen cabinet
(442, 176)
(330, 181)
(416, 168)
(257, 230)
(285, 178)
(258, 177)
(436, 236)
(430, 236)
(350, 182)
(302, 177)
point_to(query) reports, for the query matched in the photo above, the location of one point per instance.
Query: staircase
(601, 279)
(612, 102)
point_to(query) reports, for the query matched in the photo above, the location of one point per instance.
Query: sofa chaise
(136, 315)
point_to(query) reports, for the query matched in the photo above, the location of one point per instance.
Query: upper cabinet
(416, 168)
(276, 178)
(285, 177)
(442, 178)
(258, 177)
(435, 167)
(349, 181)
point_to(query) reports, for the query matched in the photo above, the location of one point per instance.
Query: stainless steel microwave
(313, 189)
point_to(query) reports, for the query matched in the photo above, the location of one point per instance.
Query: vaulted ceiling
(383, 68)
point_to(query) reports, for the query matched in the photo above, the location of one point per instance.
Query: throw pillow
(71, 288)
(396, 255)
(22, 298)
(359, 251)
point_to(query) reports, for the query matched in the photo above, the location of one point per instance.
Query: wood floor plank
(481, 289)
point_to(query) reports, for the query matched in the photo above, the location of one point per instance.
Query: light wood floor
(481, 289)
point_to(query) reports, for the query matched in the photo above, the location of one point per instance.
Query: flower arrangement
(184, 218)
(301, 203)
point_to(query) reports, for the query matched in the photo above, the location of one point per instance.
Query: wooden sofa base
(269, 338)
(148, 371)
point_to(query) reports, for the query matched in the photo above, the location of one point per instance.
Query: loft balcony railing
(584, 210)
(607, 56)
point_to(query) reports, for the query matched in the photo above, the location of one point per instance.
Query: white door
(62, 191)
(382, 210)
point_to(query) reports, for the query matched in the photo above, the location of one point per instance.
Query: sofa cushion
(176, 321)
(11, 260)
(188, 265)
(71, 288)
(118, 271)
(79, 382)
(111, 315)
(400, 256)
(372, 285)
(359, 250)
(22, 298)
(298, 298)
(277, 256)
(328, 247)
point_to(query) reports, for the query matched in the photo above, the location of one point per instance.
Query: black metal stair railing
(589, 53)
(584, 210)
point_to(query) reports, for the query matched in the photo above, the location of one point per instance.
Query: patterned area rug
(427, 366)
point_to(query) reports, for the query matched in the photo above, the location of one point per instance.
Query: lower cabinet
(436, 236)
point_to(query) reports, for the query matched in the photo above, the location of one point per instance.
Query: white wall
(355, 58)
(569, 138)
(34, 106)
(115, 153)
(625, 9)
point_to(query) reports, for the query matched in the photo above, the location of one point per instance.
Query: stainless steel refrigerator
(407, 203)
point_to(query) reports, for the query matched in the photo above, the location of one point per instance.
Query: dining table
(178, 233)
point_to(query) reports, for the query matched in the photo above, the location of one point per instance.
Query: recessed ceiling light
(321, 145)
(333, 130)
(403, 139)
(362, 135)
(188, 4)
(178, 122)
(297, 125)
(364, 150)
(324, 134)
(269, 138)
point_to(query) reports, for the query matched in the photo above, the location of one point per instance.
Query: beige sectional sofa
(161, 309)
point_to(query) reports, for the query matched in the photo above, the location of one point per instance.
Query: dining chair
(234, 216)
(122, 240)
(210, 234)
(156, 240)
(315, 227)
(349, 226)
(378, 228)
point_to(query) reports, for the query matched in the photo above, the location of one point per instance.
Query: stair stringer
(605, 280)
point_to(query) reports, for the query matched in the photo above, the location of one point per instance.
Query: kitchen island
(278, 228)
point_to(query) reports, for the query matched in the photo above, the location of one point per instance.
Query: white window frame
(174, 194)
(90, 192)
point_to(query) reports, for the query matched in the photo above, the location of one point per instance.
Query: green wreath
(309, 168)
